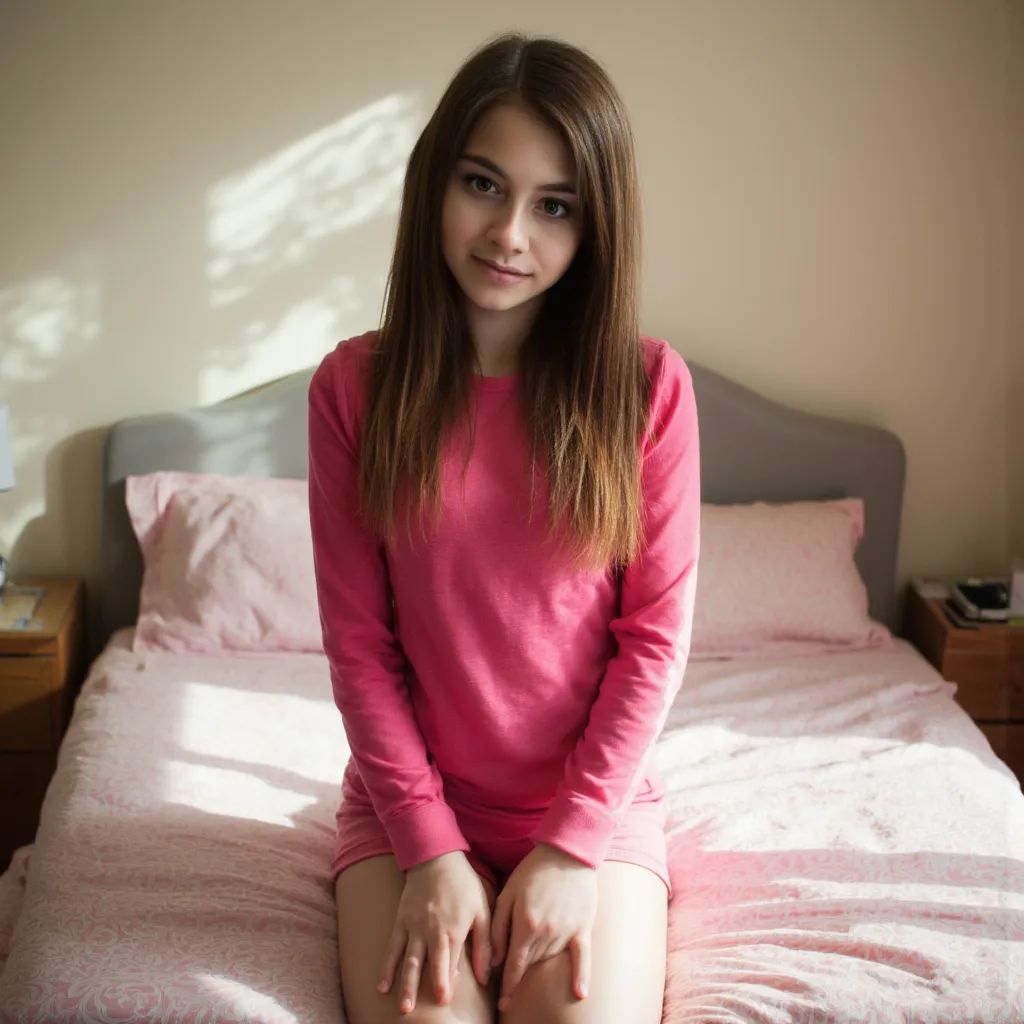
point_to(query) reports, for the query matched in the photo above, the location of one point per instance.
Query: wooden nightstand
(986, 663)
(40, 672)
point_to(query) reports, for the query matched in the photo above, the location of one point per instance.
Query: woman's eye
(478, 183)
(556, 208)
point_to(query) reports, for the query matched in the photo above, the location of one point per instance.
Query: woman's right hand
(443, 900)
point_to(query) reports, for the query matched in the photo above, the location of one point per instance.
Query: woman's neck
(499, 334)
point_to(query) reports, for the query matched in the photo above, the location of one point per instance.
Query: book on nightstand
(18, 607)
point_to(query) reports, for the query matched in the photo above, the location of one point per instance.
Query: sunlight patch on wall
(48, 326)
(279, 213)
(44, 320)
(269, 350)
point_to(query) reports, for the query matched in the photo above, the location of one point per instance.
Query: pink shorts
(499, 843)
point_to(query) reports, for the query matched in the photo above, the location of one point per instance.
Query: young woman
(504, 494)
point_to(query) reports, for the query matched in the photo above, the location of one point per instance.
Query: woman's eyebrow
(565, 187)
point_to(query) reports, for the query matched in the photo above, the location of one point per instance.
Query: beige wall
(200, 197)
(1015, 273)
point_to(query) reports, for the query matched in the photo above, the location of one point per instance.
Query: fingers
(519, 958)
(579, 950)
(392, 956)
(523, 953)
(439, 957)
(500, 927)
(482, 950)
(411, 973)
(456, 958)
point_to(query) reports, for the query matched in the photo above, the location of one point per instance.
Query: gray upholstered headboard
(751, 449)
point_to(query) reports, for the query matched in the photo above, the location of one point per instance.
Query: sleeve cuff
(424, 833)
(582, 830)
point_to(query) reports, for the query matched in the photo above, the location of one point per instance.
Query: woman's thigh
(367, 895)
(627, 974)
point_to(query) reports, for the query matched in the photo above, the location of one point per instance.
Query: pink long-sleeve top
(477, 668)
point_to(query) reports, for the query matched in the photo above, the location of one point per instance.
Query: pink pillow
(781, 579)
(228, 564)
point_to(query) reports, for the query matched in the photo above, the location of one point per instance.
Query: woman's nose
(508, 231)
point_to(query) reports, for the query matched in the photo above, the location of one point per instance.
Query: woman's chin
(493, 301)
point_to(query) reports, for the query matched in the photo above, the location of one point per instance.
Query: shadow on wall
(291, 259)
(70, 513)
(260, 433)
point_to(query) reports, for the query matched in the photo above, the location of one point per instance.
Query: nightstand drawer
(27, 695)
(24, 779)
(987, 685)
(1008, 743)
(1017, 685)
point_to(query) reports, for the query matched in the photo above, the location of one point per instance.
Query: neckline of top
(502, 383)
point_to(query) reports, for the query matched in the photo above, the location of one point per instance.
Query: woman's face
(510, 222)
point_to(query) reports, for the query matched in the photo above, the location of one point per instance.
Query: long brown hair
(584, 387)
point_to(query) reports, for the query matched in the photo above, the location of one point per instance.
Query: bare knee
(421, 1015)
(434, 1015)
(426, 1012)
(368, 895)
(545, 996)
(470, 1005)
(627, 959)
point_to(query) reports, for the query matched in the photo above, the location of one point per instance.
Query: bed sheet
(844, 846)
(181, 869)
(12, 896)
(843, 843)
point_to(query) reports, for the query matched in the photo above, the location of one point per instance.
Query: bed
(844, 844)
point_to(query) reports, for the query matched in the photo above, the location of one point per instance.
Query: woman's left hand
(549, 905)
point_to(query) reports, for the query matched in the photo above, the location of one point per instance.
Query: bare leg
(367, 896)
(627, 976)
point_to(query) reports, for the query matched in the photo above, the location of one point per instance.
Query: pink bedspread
(844, 845)
(180, 873)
